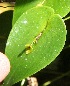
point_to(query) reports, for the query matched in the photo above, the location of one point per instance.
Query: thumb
(4, 66)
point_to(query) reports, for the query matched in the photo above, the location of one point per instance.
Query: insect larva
(28, 48)
(37, 38)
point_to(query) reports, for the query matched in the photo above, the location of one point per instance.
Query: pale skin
(4, 66)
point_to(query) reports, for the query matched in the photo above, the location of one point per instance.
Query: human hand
(4, 66)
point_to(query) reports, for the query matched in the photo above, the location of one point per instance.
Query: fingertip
(4, 66)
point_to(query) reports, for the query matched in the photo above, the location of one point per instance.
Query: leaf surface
(61, 7)
(35, 41)
(22, 6)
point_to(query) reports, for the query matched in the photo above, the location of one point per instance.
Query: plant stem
(41, 3)
(67, 18)
(57, 78)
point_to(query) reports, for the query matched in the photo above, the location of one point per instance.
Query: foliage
(37, 37)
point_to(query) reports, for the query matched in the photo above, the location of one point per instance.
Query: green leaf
(61, 7)
(22, 6)
(35, 41)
